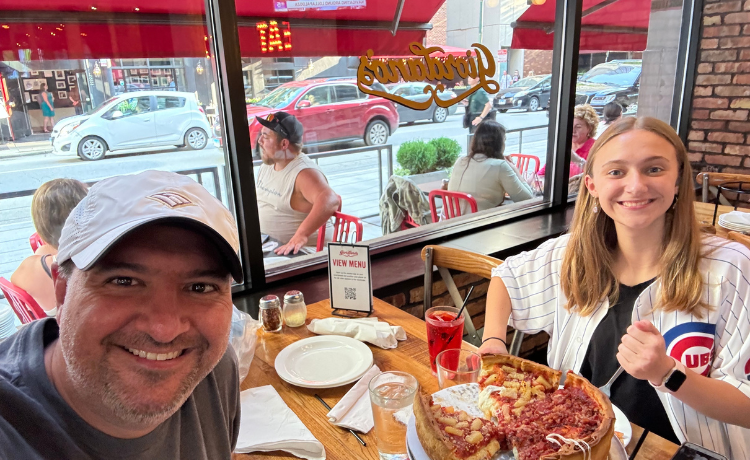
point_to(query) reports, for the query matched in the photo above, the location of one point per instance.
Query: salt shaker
(295, 310)
(270, 313)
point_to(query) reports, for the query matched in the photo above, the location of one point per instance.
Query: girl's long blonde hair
(587, 274)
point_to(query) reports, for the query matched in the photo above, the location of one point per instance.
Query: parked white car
(133, 120)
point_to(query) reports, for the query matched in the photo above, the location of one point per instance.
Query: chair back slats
(523, 162)
(451, 203)
(26, 308)
(346, 229)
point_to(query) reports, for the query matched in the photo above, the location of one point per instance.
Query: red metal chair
(342, 230)
(522, 162)
(22, 303)
(451, 203)
(35, 241)
(408, 223)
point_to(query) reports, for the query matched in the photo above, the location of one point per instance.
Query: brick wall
(439, 33)
(540, 61)
(719, 138)
(410, 298)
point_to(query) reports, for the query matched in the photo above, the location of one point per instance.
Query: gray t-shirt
(36, 423)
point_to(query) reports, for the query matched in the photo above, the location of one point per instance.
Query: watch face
(675, 381)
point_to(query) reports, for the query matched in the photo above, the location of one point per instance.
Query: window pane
(634, 75)
(346, 93)
(121, 97)
(385, 145)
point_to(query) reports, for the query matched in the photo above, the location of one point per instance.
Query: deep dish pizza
(525, 412)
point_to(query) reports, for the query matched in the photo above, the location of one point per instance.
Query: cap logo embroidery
(171, 199)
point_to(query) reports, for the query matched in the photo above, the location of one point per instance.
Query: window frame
(222, 21)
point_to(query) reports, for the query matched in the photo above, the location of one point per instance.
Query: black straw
(471, 289)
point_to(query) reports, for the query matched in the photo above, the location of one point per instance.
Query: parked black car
(616, 81)
(530, 93)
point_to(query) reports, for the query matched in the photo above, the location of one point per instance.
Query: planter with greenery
(425, 162)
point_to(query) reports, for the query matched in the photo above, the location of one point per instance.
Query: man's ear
(61, 287)
(284, 144)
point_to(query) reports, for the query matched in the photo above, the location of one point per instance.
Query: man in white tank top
(294, 199)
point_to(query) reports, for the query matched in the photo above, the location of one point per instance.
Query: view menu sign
(423, 67)
(349, 277)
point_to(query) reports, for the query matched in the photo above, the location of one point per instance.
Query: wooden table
(411, 356)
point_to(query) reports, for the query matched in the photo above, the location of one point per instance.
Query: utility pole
(481, 19)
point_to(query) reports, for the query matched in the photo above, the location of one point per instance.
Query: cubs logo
(747, 369)
(692, 344)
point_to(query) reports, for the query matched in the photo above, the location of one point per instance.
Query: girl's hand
(643, 354)
(493, 347)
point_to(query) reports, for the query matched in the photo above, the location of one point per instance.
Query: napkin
(370, 330)
(354, 411)
(267, 424)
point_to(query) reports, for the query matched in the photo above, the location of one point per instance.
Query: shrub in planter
(417, 156)
(447, 151)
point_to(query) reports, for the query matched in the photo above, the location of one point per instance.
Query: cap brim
(86, 259)
(268, 124)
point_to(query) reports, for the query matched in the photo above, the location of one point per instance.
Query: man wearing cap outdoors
(137, 364)
(294, 199)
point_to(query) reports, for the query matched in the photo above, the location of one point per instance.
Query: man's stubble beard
(101, 382)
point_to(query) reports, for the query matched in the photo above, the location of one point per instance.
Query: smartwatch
(674, 378)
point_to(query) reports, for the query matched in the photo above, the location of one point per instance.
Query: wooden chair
(35, 241)
(740, 238)
(714, 179)
(451, 203)
(446, 259)
(523, 162)
(26, 308)
(345, 229)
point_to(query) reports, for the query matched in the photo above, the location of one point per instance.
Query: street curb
(21, 155)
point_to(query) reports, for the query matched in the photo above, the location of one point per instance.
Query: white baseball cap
(118, 205)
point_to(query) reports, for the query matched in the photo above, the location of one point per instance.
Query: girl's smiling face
(635, 176)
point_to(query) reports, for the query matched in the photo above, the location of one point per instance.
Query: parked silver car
(133, 120)
(415, 92)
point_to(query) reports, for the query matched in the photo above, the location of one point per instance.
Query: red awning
(606, 25)
(124, 36)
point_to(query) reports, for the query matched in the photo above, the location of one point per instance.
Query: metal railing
(197, 173)
(388, 148)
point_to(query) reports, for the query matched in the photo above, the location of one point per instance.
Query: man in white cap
(137, 364)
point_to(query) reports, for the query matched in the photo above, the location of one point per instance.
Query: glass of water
(392, 395)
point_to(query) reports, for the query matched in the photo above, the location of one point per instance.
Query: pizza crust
(438, 447)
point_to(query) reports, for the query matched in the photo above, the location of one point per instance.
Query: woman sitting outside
(611, 113)
(50, 206)
(635, 284)
(485, 173)
(585, 124)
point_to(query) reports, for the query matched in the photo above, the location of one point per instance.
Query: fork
(606, 389)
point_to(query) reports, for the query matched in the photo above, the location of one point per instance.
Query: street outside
(355, 177)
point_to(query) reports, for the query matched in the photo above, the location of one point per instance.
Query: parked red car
(330, 110)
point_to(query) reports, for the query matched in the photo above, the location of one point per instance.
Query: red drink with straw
(444, 331)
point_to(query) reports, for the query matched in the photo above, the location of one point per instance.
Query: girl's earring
(674, 203)
(595, 209)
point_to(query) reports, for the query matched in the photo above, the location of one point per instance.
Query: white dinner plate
(416, 451)
(622, 424)
(324, 361)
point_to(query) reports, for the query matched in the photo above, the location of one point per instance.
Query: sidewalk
(36, 144)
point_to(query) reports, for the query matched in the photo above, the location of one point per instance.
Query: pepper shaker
(270, 313)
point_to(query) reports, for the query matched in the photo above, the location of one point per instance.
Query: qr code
(350, 293)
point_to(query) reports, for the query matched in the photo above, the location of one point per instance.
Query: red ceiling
(376, 10)
(622, 13)
(123, 40)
